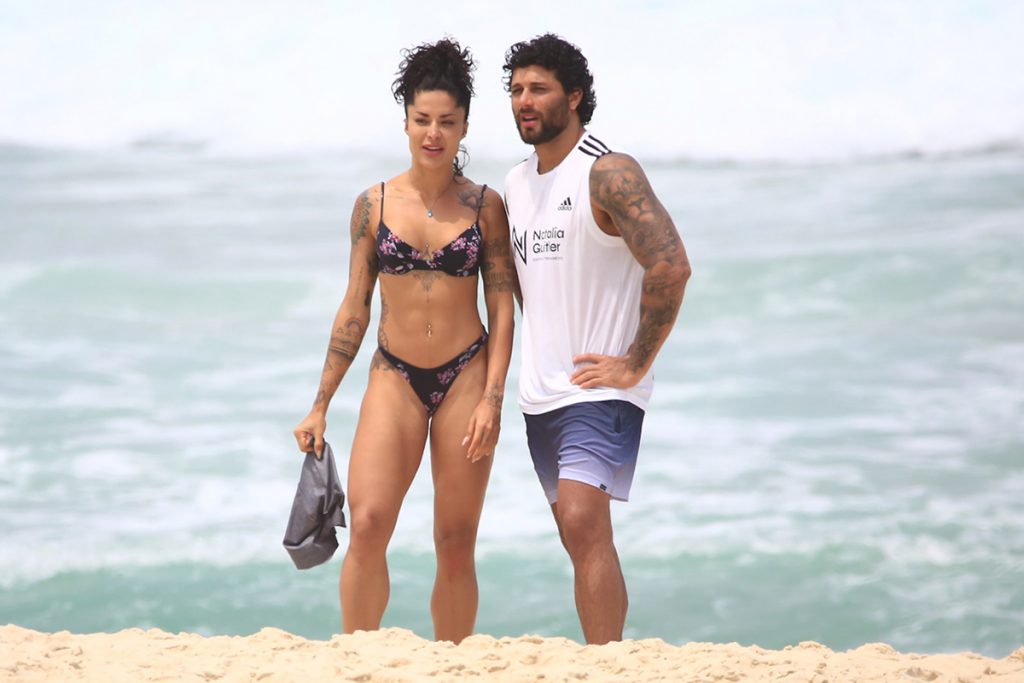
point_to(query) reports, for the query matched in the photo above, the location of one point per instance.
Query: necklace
(430, 214)
(430, 209)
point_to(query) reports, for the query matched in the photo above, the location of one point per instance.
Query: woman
(425, 234)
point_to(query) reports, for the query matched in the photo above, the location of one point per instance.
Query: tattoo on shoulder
(473, 198)
(619, 186)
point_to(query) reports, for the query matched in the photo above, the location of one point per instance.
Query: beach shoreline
(396, 654)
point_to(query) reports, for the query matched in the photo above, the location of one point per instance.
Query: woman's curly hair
(564, 59)
(444, 65)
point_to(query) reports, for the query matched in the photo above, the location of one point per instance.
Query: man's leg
(583, 515)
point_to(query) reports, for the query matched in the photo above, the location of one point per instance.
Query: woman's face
(435, 124)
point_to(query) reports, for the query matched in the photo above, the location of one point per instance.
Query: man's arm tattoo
(619, 186)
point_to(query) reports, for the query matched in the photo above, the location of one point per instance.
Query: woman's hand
(482, 432)
(311, 429)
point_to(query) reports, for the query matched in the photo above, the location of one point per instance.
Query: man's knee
(584, 525)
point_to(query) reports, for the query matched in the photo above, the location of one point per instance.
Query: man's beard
(545, 130)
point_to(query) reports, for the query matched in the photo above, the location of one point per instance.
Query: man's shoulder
(517, 175)
(519, 169)
(593, 147)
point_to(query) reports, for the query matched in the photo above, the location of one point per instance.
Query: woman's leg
(459, 487)
(386, 452)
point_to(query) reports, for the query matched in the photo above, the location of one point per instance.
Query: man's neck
(553, 152)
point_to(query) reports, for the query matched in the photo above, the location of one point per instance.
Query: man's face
(540, 105)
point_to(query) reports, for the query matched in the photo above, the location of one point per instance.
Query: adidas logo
(566, 205)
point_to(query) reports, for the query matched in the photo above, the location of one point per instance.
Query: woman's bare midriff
(428, 317)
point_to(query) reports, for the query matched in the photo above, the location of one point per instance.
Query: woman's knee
(370, 529)
(455, 547)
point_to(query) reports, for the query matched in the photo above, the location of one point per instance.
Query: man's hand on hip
(604, 371)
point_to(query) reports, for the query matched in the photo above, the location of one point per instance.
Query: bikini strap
(382, 201)
(480, 204)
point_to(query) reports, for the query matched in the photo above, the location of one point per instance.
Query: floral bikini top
(459, 258)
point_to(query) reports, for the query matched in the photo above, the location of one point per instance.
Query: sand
(399, 655)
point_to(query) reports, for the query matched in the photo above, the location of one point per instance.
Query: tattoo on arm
(619, 187)
(345, 341)
(497, 269)
(360, 228)
(347, 337)
(341, 351)
(498, 281)
(495, 395)
(360, 217)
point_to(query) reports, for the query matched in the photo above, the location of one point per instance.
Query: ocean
(835, 447)
(833, 452)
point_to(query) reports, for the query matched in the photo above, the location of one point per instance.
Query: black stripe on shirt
(604, 146)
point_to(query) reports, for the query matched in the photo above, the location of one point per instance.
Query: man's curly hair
(556, 54)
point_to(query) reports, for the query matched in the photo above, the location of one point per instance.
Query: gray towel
(310, 538)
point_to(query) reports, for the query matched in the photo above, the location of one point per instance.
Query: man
(601, 270)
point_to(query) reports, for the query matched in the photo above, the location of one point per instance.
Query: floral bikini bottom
(432, 384)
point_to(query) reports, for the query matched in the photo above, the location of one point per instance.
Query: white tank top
(581, 286)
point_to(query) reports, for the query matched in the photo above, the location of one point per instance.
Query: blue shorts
(595, 442)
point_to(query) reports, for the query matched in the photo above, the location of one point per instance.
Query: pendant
(430, 213)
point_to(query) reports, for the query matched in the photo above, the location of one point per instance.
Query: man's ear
(575, 97)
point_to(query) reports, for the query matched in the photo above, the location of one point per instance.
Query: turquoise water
(834, 452)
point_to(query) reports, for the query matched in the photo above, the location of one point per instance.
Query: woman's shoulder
(371, 194)
(477, 195)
